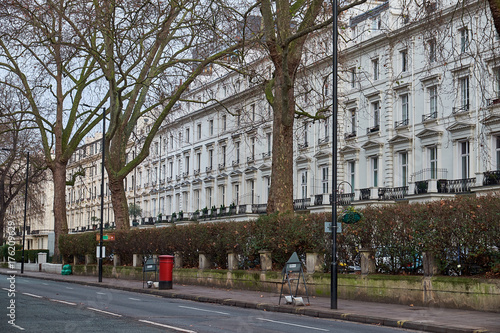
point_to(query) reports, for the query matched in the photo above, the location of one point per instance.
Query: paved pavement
(429, 319)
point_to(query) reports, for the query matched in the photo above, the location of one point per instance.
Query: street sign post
(328, 227)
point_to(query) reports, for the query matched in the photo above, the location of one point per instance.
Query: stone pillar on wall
(266, 263)
(136, 260)
(429, 264)
(232, 261)
(367, 261)
(116, 260)
(314, 262)
(89, 259)
(75, 260)
(177, 259)
(203, 262)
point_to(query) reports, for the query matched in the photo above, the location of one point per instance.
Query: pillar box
(166, 268)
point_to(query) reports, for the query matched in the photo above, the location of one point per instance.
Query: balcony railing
(392, 193)
(259, 208)
(401, 123)
(430, 173)
(373, 129)
(301, 204)
(350, 135)
(266, 155)
(208, 169)
(303, 145)
(491, 177)
(421, 186)
(345, 199)
(242, 209)
(456, 185)
(235, 163)
(430, 116)
(364, 194)
(250, 159)
(324, 140)
(460, 109)
(222, 166)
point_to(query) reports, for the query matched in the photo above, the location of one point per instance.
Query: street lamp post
(102, 189)
(102, 186)
(333, 283)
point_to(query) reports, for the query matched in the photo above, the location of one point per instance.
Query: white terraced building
(419, 119)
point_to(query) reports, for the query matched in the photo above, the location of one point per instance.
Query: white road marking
(101, 293)
(63, 302)
(134, 299)
(45, 284)
(32, 295)
(106, 312)
(18, 327)
(69, 288)
(188, 307)
(167, 326)
(290, 324)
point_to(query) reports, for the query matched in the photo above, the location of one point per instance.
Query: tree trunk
(60, 222)
(281, 192)
(115, 162)
(495, 12)
(2, 225)
(119, 200)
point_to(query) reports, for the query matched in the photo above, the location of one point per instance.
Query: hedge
(463, 231)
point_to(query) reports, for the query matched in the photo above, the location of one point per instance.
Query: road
(50, 306)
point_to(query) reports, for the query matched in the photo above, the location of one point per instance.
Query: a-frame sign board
(293, 275)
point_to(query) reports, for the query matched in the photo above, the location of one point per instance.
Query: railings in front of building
(392, 193)
(345, 199)
(364, 194)
(301, 204)
(491, 177)
(259, 208)
(421, 186)
(456, 185)
(429, 116)
(430, 173)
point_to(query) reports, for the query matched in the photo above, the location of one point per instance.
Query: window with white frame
(375, 69)
(252, 148)
(353, 77)
(497, 153)
(324, 179)
(433, 99)
(351, 167)
(252, 112)
(186, 164)
(463, 83)
(403, 55)
(433, 161)
(236, 196)
(211, 126)
(269, 143)
(403, 167)
(496, 83)
(208, 196)
(196, 200)
(222, 195)
(464, 39)
(374, 170)
(251, 186)
(376, 114)
(376, 23)
(223, 152)
(405, 110)
(352, 122)
(464, 154)
(210, 158)
(303, 183)
(171, 167)
(198, 130)
(198, 161)
(187, 135)
(431, 44)
(224, 122)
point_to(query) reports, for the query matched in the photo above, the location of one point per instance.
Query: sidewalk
(393, 315)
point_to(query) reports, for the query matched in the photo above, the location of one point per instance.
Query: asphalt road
(50, 306)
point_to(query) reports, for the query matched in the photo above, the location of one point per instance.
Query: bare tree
(17, 141)
(287, 26)
(40, 59)
(146, 49)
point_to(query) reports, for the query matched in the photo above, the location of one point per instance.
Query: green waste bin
(66, 270)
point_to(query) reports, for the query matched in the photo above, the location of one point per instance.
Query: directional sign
(328, 227)
(106, 237)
